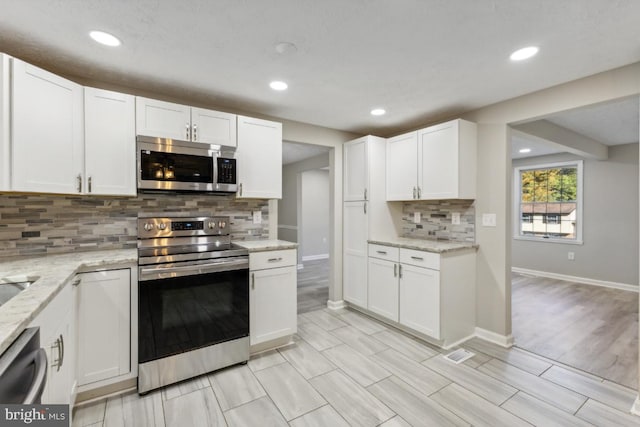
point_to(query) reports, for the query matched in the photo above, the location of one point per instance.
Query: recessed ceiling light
(105, 38)
(378, 112)
(278, 85)
(524, 150)
(524, 53)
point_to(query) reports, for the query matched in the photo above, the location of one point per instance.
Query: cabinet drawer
(420, 258)
(384, 252)
(272, 259)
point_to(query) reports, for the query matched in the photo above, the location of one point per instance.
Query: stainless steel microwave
(170, 165)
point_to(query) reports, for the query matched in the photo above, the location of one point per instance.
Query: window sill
(549, 240)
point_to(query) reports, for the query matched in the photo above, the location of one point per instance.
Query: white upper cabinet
(356, 174)
(402, 167)
(438, 162)
(175, 121)
(213, 127)
(47, 131)
(259, 159)
(110, 138)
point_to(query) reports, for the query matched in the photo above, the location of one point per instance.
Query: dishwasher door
(23, 369)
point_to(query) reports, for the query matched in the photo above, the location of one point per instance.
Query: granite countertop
(266, 245)
(50, 273)
(436, 246)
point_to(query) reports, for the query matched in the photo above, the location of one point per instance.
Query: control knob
(162, 226)
(148, 226)
(212, 225)
(222, 224)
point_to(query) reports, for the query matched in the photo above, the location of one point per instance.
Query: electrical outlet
(257, 217)
(571, 256)
(416, 217)
(489, 220)
(455, 218)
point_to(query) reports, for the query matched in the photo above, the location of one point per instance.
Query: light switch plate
(489, 220)
(416, 217)
(455, 218)
(257, 217)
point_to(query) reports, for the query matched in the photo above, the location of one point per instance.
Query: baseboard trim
(459, 342)
(635, 409)
(584, 280)
(336, 305)
(505, 341)
(315, 257)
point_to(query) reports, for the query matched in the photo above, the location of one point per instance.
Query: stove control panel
(149, 228)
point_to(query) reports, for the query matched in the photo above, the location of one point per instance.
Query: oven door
(187, 306)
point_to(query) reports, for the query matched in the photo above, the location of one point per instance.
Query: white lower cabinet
(104, 325)
(272, 297)
(57, 337)
(426, 293)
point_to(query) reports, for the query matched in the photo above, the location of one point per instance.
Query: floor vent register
(459, 356)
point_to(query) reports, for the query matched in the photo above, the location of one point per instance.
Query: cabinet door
(402, 167)
(5, 117)
(438, 161)
(213, 127)
(104, 325)
(355, 174)
(110, 140)
(383, 288)
(47, 137)
(163, 119)
(259, 159)
(420, 299)
(355, 235)
(273, 304)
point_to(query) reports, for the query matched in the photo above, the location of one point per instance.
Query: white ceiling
(294, 152)
(611, 123)
(421, 60)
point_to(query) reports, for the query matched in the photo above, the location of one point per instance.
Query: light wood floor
(345, 369)
(589, 327)
(313, 285)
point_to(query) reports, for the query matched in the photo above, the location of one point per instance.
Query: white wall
(610, 222)
(313, 227)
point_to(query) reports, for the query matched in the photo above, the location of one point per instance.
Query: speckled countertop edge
(51, 272)
(266, 245)
(426, 245)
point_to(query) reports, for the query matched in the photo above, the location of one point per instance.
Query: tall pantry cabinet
(366, 215)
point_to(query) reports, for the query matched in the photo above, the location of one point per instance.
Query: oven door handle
(191, 270)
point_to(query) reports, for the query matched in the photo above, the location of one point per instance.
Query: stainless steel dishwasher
(23, 369)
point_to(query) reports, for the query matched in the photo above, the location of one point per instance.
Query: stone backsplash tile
(435, 222)
(42, 223)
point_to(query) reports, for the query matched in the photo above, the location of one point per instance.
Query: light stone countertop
(436, 246)
(51, 273)
(266, 245)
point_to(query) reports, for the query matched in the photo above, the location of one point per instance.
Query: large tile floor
(346, 369)
(313, 285)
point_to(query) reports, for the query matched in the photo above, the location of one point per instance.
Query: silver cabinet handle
(417, 258)
(188, 129)
(79, 182)
(195, 132)
(400, 270)
(39, 379)
(76, 282)
(419, 192)
(89, 184)
(253, 280)
(59, 346)
(240, 190)
(382, 252)
(61, 351)
(365, 194)
(395, 270)
(365, 207)
(275, 259)
(414, 192)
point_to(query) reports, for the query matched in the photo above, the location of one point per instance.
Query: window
(548, 202)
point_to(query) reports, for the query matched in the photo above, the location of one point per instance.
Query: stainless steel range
(194, 299)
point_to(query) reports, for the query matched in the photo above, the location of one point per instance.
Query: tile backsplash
(435, 222)
(33, 224)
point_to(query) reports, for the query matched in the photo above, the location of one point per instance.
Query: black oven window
(185, 313)
(159, 166)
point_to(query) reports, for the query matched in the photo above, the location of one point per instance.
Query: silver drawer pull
(275, 259)
(382, 252)
(417, 258)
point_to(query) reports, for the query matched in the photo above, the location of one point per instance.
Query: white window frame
(517, 215)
